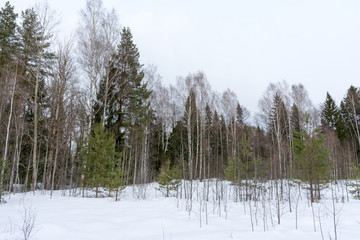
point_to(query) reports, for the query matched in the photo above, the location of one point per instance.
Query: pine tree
(311, 157)
(103, 167)
(36, 60)
(169, 179)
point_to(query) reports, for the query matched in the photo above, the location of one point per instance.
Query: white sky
(241, 45)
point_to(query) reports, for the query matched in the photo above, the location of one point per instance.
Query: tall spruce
(330, 113)
(350, 112)
(8, 36)
(128, 94)
(127, 109)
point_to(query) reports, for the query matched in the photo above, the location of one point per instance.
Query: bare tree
(91, 48)
(48, 21)
(63, 78)
(28, 225)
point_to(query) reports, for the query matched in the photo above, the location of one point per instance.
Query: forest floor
(144, 213)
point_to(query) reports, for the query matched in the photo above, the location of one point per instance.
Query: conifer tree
(350, 112)
(127, 94)
(103, 168)
(8, 37)
(295, 118)
(36, 59)
(169, 179)
(311, 157)
(330, 113)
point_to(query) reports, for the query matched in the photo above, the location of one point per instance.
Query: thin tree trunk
(7, 135)
(18, 152)
(189, 140)
(35, 138)
(55, 163)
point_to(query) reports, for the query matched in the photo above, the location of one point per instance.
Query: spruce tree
(330, 113)
(127, 95)
(8, 37)
(295, 118)
(350, 113)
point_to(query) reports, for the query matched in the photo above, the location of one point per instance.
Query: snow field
(160, 218)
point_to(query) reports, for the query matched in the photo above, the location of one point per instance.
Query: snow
(156, 217)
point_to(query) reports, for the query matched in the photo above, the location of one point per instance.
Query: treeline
(119, 124)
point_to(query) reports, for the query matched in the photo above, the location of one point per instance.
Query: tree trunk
(7, 135)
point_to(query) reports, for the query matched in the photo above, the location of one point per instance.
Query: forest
(84, 112)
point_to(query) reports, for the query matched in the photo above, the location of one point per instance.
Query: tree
(330, 113)
(169, 179)
(279, 129)
(311, 157)
(126, 105)
(350, 111)
(35, 33)
(91, 48)
(103, 166)
(8, 39)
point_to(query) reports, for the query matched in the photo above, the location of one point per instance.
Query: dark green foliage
(8, 38)
(332, 118)
(311, 157)
(330, 113)
(295, 118)
(355, 191)
(235, 170)
(35, 56)
(157, 145)
(350, 112)
(102, 165)
(243, 167)
(126, 95)
(169, 179)
(34, 45)
(177, 144)
(355, 183)
(279, 122)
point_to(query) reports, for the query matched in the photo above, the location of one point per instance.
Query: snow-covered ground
(160, 218)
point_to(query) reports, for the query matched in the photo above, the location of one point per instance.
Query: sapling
(28, 225)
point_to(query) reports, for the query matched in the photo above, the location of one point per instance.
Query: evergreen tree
(177, 144)
(127, 96)
(311, 157)
(350, 113)
(35, 63)
(8, 37)
(103, 167)
(295, 118)
(169, 179)
(330, 113)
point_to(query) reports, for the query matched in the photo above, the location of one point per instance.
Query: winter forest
(84, 116)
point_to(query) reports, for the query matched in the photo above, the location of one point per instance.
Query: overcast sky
(241, 45)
